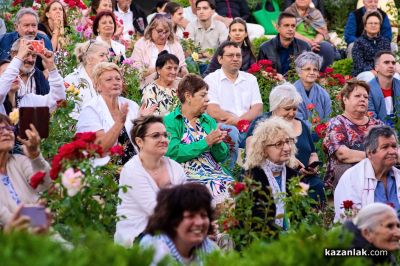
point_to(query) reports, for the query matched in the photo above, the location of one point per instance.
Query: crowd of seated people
(181, 141)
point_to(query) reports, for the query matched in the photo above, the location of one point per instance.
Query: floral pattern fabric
(7, 183)
(164, 98)
(204, 169)
(126, 143)
(342, 132)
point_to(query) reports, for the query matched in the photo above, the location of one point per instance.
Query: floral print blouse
(164, 98)
(342, 132)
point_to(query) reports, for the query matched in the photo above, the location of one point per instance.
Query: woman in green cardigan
(196, 141)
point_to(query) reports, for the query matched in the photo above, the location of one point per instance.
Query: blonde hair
(154, 23)
(266, 133)
(102, 67)
(83, 50)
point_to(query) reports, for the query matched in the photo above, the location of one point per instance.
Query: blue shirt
(391, 195)
(284, 56)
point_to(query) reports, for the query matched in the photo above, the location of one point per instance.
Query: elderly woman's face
(372, 26)
(193, 228)
(110, 83)
(309, 73)
(105, 5)
(7, 137)
(168, 72)
(287, 112)
(198, 102)
(279, 151)
(160, 34)
(357, 101)
(106, 25)
(98, 56)
(303, 3)
(386, 235)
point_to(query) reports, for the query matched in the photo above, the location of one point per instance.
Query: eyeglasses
(90, 43)
(231, 56)
(308, 69)
(158, 135)
(279, 144)
(7, 128)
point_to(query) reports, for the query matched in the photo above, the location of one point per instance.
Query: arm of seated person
(347, 155)
(215, 111)
(253, 113)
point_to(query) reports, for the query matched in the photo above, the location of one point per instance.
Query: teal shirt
(182, 152)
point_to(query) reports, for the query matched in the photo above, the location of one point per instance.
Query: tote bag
(266, 18)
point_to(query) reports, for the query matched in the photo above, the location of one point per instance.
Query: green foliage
(132, 83)
(337, 13)
(19, 249)
(343, 66)
(256, 43)
(183, 3)
(61, 128)
(303, 248)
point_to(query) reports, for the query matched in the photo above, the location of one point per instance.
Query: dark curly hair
(173, 202)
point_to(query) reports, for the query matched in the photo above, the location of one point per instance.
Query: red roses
(243, 125)
(238, 187)
(348, 204)
(254, 68)
(321, 130)
(117, 150)
(185, 34)
(37, 179)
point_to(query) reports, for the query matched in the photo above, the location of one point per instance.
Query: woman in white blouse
(144, 175)
(104, 27)
(89, 54)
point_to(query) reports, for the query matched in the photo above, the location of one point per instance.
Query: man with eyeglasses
(34, 89)
(384, 96)
(206, 31)
(374, 179)
(26, 25)
(234, 95)
(283, 48)
(355, 26)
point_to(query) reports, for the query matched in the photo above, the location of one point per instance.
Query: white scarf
(268, 168)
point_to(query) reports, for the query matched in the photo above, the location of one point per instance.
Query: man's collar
(123, 12)
(212, 25)
(238, 78)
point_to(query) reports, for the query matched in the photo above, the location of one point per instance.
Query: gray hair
(25, 11)
(371, 140)
(307, 58)
(370, 216)
(284, 95)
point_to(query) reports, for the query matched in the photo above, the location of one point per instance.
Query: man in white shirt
(133, 17)
(206, 31)
(31, 80)
(234, 95)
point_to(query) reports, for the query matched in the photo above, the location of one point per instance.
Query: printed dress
(164, 98)
(204, 169)
(342, 132)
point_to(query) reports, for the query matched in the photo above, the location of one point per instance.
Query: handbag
(268, 19)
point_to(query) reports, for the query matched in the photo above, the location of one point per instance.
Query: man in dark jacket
(132, 15)
(26, 25)
(284, 46)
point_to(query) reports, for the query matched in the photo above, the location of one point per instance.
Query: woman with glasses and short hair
(17, 171)
(158, 36)
(88, 54)
(284, 102)
(196, 141)
(307, 67)
(144, 175)
(272, 153)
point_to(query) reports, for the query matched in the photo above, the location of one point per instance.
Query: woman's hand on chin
(143, 111)
(31, 146)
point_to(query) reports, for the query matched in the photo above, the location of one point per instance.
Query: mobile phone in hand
(38, 46)
(37, 215)
(314, 164)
